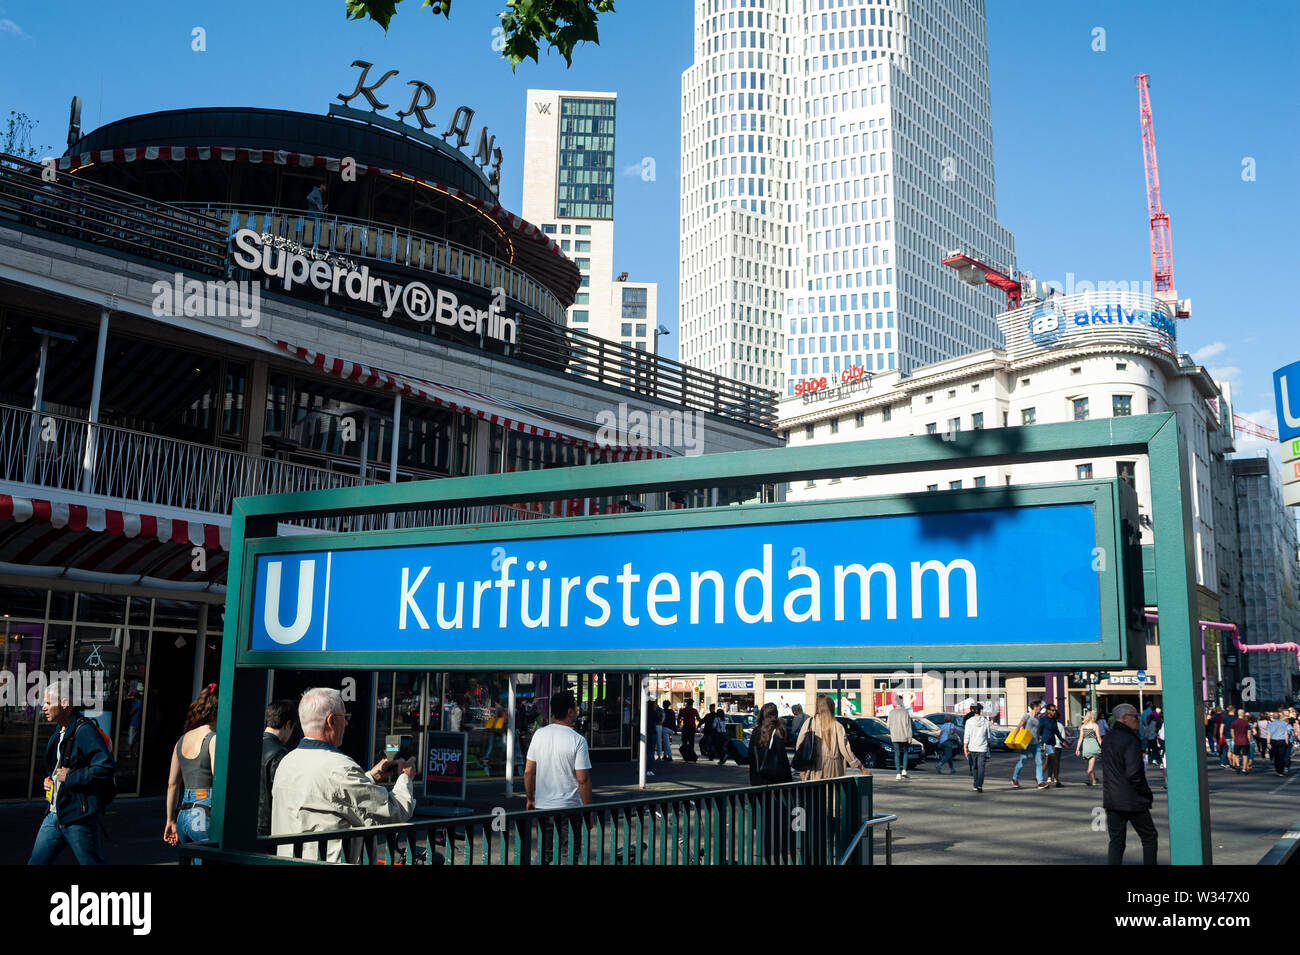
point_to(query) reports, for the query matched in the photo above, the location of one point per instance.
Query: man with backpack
(79, 782)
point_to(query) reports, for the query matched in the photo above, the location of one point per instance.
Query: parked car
(997, 734)
(869, 739)
(746, 721)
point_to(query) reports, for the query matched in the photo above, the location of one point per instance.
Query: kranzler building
(202, 304)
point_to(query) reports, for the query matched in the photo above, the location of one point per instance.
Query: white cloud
(632, 170)
(8, 26)
(1201, 355)
(1228, 373)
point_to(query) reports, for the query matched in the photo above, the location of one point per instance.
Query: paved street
(941, 820)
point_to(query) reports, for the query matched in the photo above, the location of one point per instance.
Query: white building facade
(832, 155)
(1094, 355)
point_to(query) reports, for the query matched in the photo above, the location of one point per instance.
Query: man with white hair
(1125, 795)
(317, 788)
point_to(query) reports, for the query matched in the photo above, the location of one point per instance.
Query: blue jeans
(900, 756)
(1030, 750)
(192, 824)
(82, 836)
(1224, 750)
(948, 747)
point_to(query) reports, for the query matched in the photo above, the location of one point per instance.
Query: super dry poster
(444, 765)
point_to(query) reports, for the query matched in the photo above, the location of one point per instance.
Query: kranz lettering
(76, 908)
(418, 302)
(423, 98)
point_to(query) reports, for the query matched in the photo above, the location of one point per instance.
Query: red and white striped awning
(568, 270)
(496, 410)
(79, 517)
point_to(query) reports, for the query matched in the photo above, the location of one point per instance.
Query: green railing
(825, 822)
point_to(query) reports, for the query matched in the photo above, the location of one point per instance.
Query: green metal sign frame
(1156, 436)
(1113, 648)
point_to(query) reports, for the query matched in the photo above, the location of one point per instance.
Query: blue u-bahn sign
(945, 576)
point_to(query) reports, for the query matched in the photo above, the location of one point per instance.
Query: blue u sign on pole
(1286, 392)
(1002, 575)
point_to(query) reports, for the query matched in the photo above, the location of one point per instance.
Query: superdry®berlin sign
(260, 252)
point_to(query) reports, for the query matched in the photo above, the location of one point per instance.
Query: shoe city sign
(294, 265)
(851, 379)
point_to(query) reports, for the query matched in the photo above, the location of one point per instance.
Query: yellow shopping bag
(1019, 739)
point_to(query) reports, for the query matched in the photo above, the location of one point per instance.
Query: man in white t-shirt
(557, 774)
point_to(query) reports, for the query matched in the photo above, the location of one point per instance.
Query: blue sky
(1070, 183)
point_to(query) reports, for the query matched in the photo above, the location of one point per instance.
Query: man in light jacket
(317, 788)
(975, 745)
(900, 734)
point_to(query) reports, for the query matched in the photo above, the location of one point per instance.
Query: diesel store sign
(293, 265)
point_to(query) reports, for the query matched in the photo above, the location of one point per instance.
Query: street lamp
(661, 330)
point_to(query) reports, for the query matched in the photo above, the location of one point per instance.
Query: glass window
(1083, 471)
(1126, 471)
(1080, 409)
(932, 487)
(1121, 405)
(580, 316)
(582, 230)
(809, 431)
(548, 229)
(977, 420)
(585, 176)
(954, 485)
(627, 329)
(835, 425)
(635, 302)
(581, 245)
(1027, 416)
(886, 413)
(932, 428)
(980, 481)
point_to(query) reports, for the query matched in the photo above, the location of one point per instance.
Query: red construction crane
(974, 272)
(1162, 249)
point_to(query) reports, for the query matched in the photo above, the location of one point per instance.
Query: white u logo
(271, 613)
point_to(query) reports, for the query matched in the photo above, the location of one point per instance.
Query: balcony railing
(49, 450)
(196, 242)
(117, 220)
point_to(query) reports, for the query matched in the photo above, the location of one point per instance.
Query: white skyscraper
(833, 152)
(569, 192)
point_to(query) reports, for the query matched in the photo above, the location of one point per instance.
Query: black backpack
(107, 787)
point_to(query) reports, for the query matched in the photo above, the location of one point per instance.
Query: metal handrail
(81, 209)
(713, 827)
(871, 823)
(147, 468)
